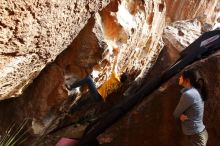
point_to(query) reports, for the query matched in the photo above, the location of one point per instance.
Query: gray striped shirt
(191, 105)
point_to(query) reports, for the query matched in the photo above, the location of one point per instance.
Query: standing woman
(190, 108)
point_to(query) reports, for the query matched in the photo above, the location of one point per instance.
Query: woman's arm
(185, 102)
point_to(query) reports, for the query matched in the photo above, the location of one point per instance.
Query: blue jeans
(87, 80)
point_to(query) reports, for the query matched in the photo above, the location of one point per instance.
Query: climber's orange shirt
(109, 86)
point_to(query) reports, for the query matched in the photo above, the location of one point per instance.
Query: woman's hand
(183, 117)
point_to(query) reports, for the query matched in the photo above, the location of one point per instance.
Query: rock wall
(73, 39)
(91, 51)
(188, 9)
(180, 34)
(33, 33)
(152, 122)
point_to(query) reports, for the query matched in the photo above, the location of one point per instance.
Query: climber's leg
(87, 80)
(93, 89)
(80, 82)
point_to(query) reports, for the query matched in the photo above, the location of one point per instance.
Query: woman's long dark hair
(196, 81)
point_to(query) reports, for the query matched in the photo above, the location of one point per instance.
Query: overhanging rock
(33, 33)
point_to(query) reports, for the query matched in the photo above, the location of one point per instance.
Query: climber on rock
(108, 87)
(114, 82)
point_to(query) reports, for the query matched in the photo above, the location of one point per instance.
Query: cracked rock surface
(33, 33)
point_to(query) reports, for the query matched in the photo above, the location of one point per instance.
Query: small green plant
(15, 135)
